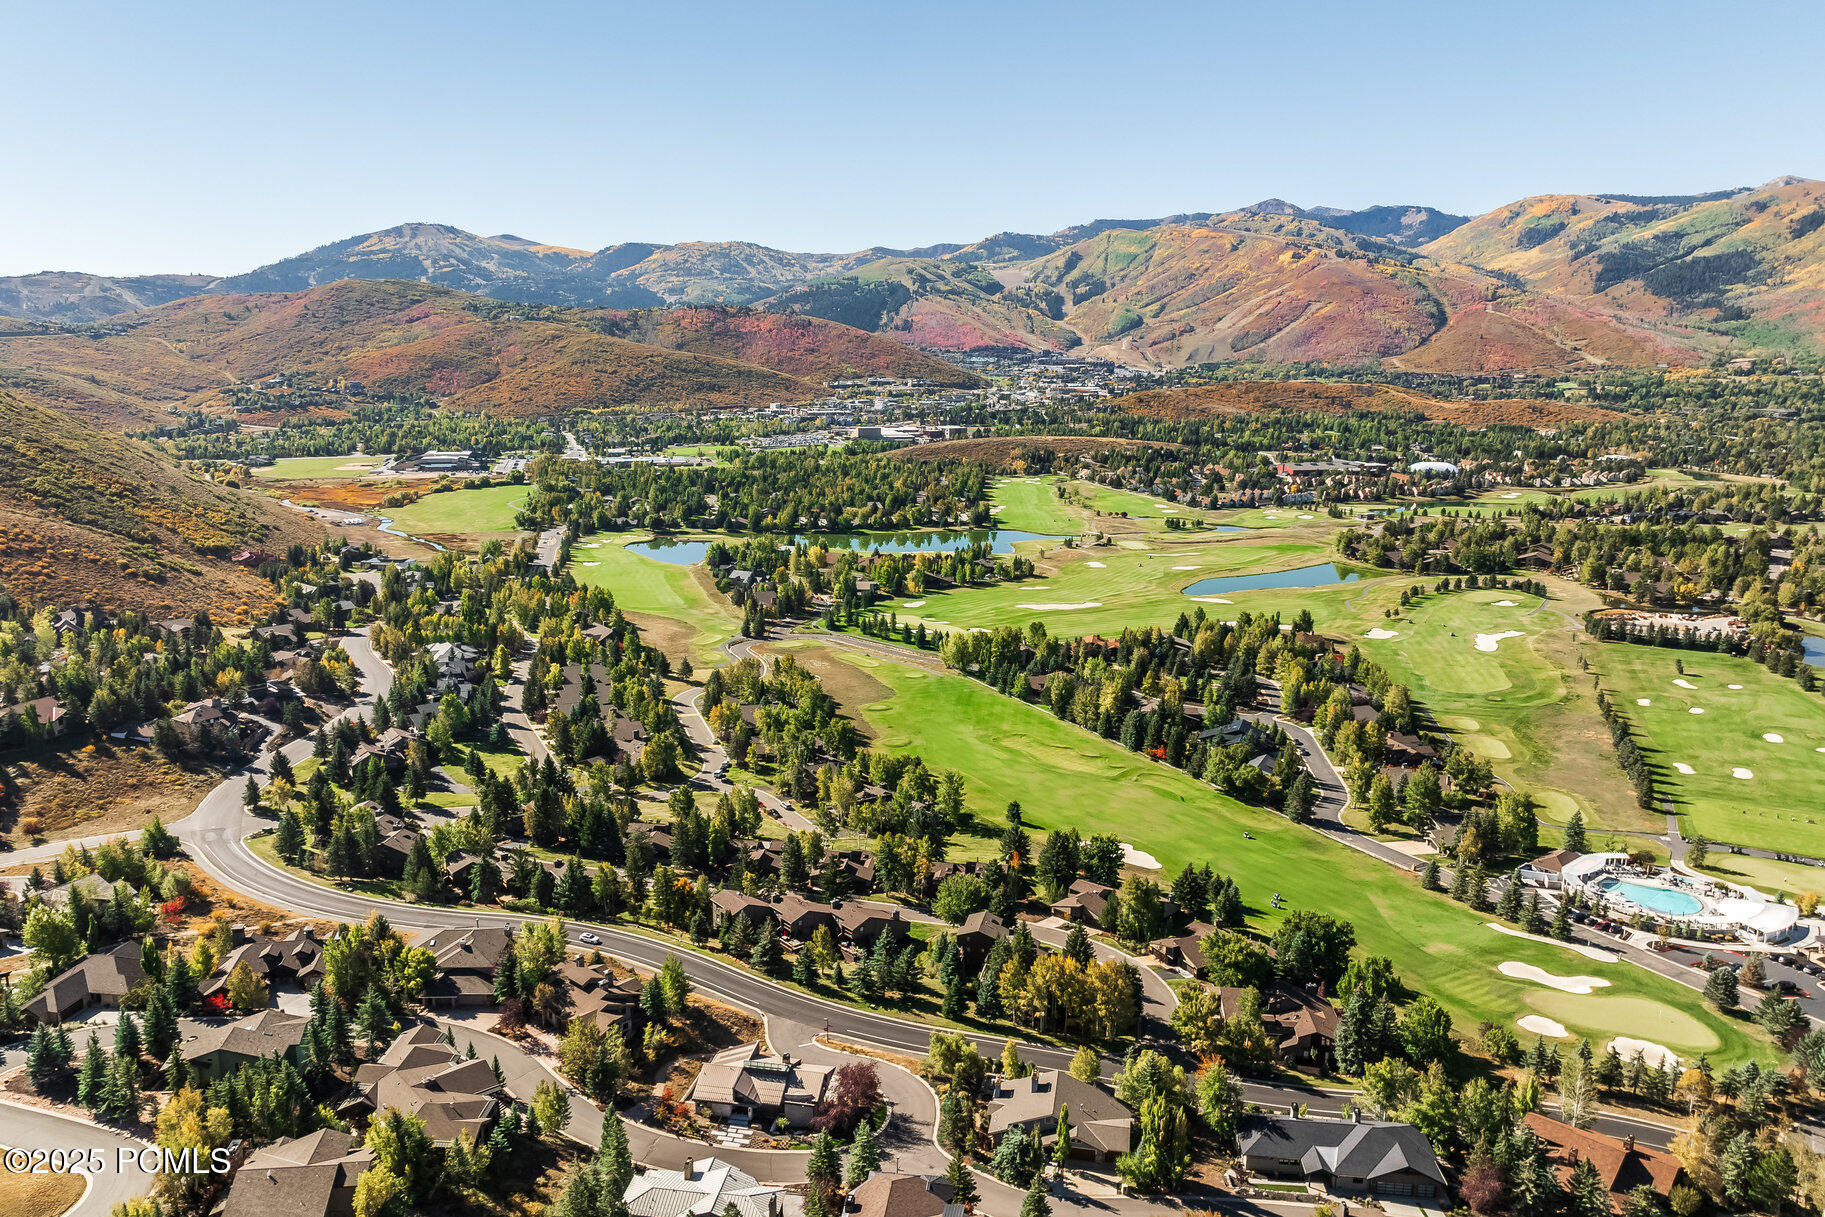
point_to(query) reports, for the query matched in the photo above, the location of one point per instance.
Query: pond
(1322, 575)
(1814, 650)
(688, 553)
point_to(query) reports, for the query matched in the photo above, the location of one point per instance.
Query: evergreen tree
(864, 1155)
(92, 1075)
(1035, 1204)
(963, 1183)
(614, 1161)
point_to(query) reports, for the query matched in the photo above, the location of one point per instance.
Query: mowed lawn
(485, 510)
(1103, 589)
(1743, 788)
(1033, 505)
(647, 587)
(1066, 777)
(320, 468)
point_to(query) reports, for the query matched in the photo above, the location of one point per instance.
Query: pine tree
(177, 1071)
(963, 1183)
(767, 955)
(1574, 833)
(93, 1074)
(1036, 1204)
(374, 1021)
(864, 1156)
(126, 1037)
(614, 1161)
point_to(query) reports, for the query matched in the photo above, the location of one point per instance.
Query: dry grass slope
(1318, 397)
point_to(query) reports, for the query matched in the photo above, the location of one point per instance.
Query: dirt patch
(851, 686)
(209, 900)
(44, 1195)
(912, 1065)
(98, 788)
(347, 495)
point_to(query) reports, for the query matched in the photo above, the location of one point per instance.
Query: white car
(591, 939)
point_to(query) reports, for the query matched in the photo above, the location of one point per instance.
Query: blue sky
(212, 138)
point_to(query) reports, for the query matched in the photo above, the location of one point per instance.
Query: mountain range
(1549, 283)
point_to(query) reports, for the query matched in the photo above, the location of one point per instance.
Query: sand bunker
(1096, 565)
(1565, 984)
(1488, 642)
(1696, 710)
(913, 604)
(1596, 953)
(1683, 683)
(1733, 686)
(591, 545)
(1644, 701)
(1654, 1055)
(1059, 608)
(589, 564)
(1378, 632)
(1539, 1024)
(1774, 737)
(1740, 772)
(997, 509)
(1212, 600)
(1684, 768)
(1136, 857)
(1507, 604)
(1186, 568)
(1305, 517)
(1513, 494)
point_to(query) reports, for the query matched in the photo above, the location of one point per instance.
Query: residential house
(1348, 1157)
(217, 1051)
(861, 924)
(1621, 1164)
(422, 1076)
(889, 1195)
(308, 1176)
(466, 960)
(297, 957)
(977, 936)
(741, 1085)
(52, 718)
(1184, 950)
(800, 918)
(594, 995)
(707, 1187)
(1087, 901)
(1102, 1127)
(101, 979)
(731, 903)
(1303, 1024)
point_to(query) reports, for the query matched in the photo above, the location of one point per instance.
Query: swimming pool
(1659, 899)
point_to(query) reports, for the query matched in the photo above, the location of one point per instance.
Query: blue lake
(1322, 575)
(688, 553)
(1814, 650)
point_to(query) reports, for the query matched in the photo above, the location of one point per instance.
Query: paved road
(31, 1128)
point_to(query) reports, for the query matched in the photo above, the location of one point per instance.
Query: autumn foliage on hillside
(806, 347)
(87, 517)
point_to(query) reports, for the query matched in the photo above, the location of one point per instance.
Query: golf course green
(683, 614)
(1066, 777)
(1744, 787)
